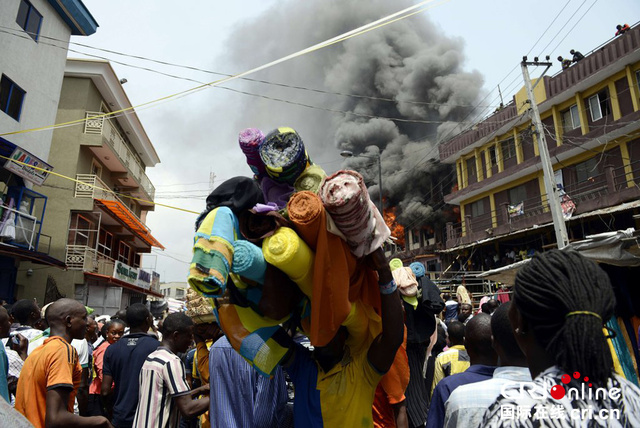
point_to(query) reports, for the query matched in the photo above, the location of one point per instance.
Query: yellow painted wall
(521, 96)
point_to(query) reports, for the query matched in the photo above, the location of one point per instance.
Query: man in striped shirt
(164, 392)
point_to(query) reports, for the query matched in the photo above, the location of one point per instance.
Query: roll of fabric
(248, 261)
(339, 278)
(213, 252)
(289, 253)
(255, 226)
(406, 281)
(249, 140)
(310, 179)
(395, 264)
(345, 197)
(276, 192)
(238, 194)
(261, 341)
(418, 269)
(283, 154)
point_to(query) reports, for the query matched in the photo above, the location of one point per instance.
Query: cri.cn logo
(560, 391)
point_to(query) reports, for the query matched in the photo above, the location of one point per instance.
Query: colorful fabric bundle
(259, 340)
(338, 277)
(406, 281)
(256, 226)
(283, 154)
(345, 197)
(199, 308)
(310, 179)
(213, 252)
(418, 269)
(248, 261)
(238, 193)
(249, 141)
(286, 251)
(395, 264)
(275, 192)
(621, 352)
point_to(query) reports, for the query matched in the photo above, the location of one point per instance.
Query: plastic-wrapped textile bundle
(345, 197)
(283, 154)
(289, 253)
(249, 140)
(213, 252)
(248, 261)
(406, 281)
(199, 308)
(310, 179)
(418, 269)
(338, 277)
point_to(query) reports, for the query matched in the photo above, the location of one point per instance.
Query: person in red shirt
(115, 330)
(622, 29)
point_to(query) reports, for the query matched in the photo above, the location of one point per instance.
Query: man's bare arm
(58, 415)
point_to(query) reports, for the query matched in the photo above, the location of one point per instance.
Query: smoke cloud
(411, 64)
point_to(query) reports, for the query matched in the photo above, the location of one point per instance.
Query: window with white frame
(124, 252)
(508, 147)
(571, 118)
(29, 19)
(599, 105)
(105, 243)
(11, 97)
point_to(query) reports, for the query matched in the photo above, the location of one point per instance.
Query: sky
(454, 54)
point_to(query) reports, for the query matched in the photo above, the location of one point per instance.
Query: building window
(586, 170)
(508, 149)
(571, 118)
(179, 292)
(472, 175)
(638, 79)
(123, 253)
(96, 168)
(477, 208)
(105, 243)
(517, 194)
(82, 231)
(29, 19)
(599, 106)
(11, 97)
(492, 156)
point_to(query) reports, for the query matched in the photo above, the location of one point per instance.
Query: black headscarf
(238, 193)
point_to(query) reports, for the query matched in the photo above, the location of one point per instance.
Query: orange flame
(397, 230)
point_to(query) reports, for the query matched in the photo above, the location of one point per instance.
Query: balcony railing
(87, 259)
(19, 228)
(90, 186)
(98, 125)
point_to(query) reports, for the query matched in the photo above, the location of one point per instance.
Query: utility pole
(549, 179)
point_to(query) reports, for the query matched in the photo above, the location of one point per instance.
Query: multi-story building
(96, 219)
(174, 290)
(590, 114)
(33, 48)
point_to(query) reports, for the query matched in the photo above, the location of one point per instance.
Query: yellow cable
(345, 36)
(97, 187)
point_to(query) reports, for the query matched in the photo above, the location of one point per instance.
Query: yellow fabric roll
(363, 325)
(310, 179)
(395, 264)
(289, 253)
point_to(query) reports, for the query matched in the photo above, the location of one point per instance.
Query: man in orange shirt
(46, 396)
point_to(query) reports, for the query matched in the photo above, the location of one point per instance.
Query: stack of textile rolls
(306, 267)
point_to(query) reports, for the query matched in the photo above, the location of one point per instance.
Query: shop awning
(124, 214)
(112, 280)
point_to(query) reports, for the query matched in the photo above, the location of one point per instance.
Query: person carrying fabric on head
(122, 364)
(421, 324)
(561, 301)
(164, 393)
(483, 359)
(467, 404)
(46, 397)
(335, 388)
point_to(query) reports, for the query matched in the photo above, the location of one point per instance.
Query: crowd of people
(499, 366)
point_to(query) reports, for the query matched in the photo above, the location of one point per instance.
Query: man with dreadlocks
(561, 301)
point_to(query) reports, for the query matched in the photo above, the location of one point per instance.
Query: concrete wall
(37, 68)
